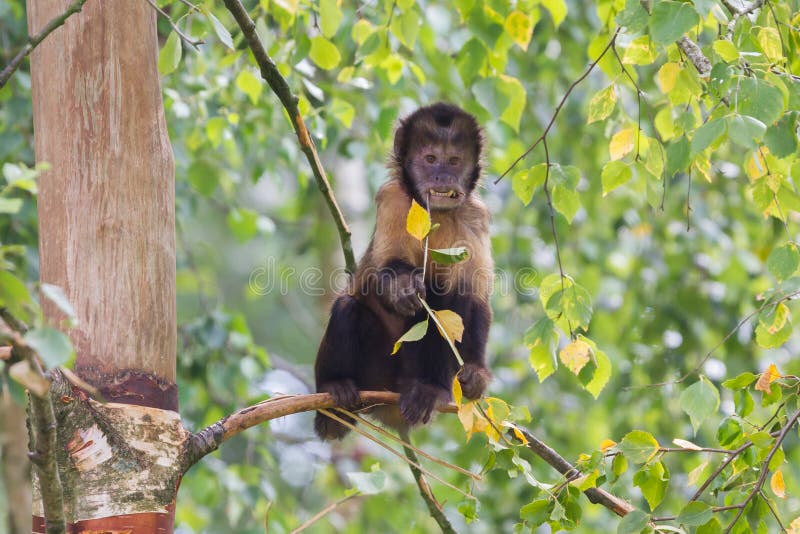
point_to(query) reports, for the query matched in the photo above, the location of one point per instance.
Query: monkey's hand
(419, 402)
(344, 393)
(403, 293)
(474, 378)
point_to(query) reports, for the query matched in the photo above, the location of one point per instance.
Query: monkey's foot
(328, 429)
(474, 379)
(419, 402)
(344, 393)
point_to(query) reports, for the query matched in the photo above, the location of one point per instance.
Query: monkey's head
(437, 151)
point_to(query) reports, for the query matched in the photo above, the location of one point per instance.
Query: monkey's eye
(455, 160)
(430, 158)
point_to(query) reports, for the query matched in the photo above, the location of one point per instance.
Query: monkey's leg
(428, 370)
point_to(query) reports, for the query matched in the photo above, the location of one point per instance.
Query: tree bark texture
(107, 237)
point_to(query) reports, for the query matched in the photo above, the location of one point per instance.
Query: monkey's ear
(400, 147)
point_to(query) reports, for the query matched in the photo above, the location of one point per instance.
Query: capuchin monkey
(437, 162)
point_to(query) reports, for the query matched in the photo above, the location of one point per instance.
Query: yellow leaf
(519, 434)
(471, 419)
(726, 50)
(755, 166)
(794, 527)
(576, 355)
(622, 143)
(418, 222)
(770, 41)
(520, 27)
(767, 378)
(777, 484)
(452, 324)
(456, 389)
(667, 75)
(607, 444)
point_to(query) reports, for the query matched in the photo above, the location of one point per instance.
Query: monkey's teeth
(448, 194)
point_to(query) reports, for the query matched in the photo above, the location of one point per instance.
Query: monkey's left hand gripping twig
(279, 86)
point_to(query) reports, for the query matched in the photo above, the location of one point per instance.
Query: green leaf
(695, 514)
(707, 135)
(513, 90)
(471, 60)
(615, 173)
(760, 99)
(222, 32)
(670, 20)
(215, 129)
(566, 201)
(10, 205)
(781, 139)
(243, 223)
(170, 55)
(56, 295)
(524, 183)
(330, 16)
(249, 84)
(324, 53)
(745, 131)
(772, 340)
(677, 156)
(602, 104)
(638, 446)
(406, 28)
(537, 512)
(601, 375)
(13, 293)
(415, 333)
(729, 431)
(769, 39)
(343, 111)
(204, 177)
(449, 256)
(542, 340)
(653, 480)
(783, 261)
(741, 381)
(572, 303)
(53, 346)
(726, 50)
(368, 483)
(633, 523)
(634, 17)
(699, 401)
(557, 9)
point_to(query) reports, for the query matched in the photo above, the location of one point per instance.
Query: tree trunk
(107, 237)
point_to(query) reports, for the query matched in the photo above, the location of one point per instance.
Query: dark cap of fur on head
(436, 122)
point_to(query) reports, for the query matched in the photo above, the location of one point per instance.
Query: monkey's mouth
(449, 193)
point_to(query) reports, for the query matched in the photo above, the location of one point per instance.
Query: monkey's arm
(391, 270)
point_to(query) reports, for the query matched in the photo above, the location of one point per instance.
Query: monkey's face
(442, 174)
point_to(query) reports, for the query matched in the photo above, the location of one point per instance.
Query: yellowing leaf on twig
(622, 143)
(767, 378)
(576, 355)
(777, 485)
(452, 324)
(607, 444)
(418, 222)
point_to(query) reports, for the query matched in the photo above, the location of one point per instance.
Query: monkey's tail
(330, 429)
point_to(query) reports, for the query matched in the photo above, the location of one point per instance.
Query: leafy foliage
(651, 142)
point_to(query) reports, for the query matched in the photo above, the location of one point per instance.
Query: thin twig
(406, 443)
(322, 513)
(560, 105)
(279, 86)
(188, 40)
(765, 469)
(34, 41)
(434, 508)
(381, 444)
